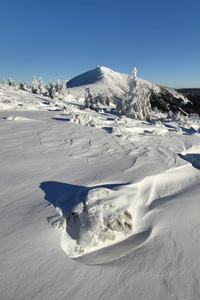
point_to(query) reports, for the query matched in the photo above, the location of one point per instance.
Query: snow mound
(119, 218)
(94, 222)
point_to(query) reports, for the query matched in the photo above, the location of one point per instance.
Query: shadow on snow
(70, 193)
(193, 158)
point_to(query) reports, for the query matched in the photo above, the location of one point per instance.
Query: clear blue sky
(63, 38)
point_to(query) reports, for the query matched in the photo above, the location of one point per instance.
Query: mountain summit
(86, 78)
(100, 80)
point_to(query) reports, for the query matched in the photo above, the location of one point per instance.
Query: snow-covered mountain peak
(108, 83)
(107, 72)
(100, 80)
(104, 69)
(100, 73)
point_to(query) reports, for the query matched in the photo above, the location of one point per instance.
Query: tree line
(52, 89)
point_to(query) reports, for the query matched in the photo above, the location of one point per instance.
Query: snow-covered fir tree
(137, 104)
(51, 89)
(4, 81)
(57, 86)
(11, 82)
(57, 90)
(90, 101)
(34, 86)
(41, 86)
(63, 89)
(121, 104)
(88, 98)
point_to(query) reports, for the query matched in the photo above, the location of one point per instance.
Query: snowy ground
(122, 196)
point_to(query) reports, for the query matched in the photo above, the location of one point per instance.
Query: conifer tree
(34, 86)
(41, 86)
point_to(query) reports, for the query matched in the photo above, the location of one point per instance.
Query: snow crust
(119, 196)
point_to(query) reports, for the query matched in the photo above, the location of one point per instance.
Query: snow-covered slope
(108, 83)
(194, 96)
(96, 206)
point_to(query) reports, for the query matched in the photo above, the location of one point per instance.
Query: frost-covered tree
(4, 81)
(121, 104)
(88, 98)
(57, 86)
(90, 102)
(56, 90)
(51, 90)
(63, 89)
(98, 99)
(103, 99)
(24, 86)
(137, 104)
(34, 86)
(20, 85)
(134, 76)
(11, 82)
(41, 86)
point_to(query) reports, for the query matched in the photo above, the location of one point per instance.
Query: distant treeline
(53, 90)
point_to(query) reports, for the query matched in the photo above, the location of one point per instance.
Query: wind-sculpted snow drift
(118, 220)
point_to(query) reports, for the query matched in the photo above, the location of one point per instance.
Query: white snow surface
(97, 206)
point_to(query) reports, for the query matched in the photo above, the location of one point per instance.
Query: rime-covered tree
(58, 89)
(51, 89)
(34, 86)
(121, 104)
(137, 105)
(4, 81)
(41, 86)
(90, 102)
(63, 89)
(88, 98)
(11, 82)
(23, 86)
(57, 86)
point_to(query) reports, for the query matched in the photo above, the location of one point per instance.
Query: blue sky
(63, 38)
